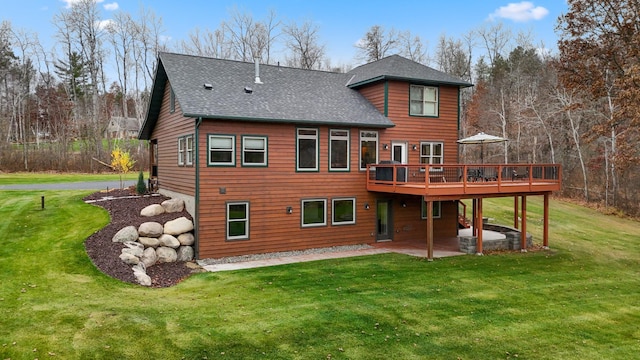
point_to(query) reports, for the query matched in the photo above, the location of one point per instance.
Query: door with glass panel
(385, 219)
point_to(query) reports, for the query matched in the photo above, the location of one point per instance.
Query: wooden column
(429, 205)
(545, 229)
(474, 217)
(478, 226)
(523, 234)
(515, 212)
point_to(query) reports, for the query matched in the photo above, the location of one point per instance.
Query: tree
(377, 44)
(302, 41)
(121, 162)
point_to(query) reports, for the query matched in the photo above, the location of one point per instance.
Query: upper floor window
(431, 153)
(339, 150)
(307, 149)
(254, 151)
(368, 148)
(423, 100)
(222, 150)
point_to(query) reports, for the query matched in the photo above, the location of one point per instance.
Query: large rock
(186, 239)
(178, 226)
(185, 253)
(129, 259)
(152, 210)
(149, 242)
(129, 233)
(166, 254)
(142, 278)
(169, 241)
(137, 252)
(173, 205)
(150, 229)
(149, 257)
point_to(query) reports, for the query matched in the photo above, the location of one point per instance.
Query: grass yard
(49, 178)
(580, 300)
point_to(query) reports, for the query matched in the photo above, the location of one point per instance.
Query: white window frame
(365, 135)
(181, 147)
(437, 209)
(245, 150)
(333, 136)
(245, 219)
(333, 211)
(232, 150)
(428, 159)
(424, 101)
(189, 150)
(302, 213)
(316, 138)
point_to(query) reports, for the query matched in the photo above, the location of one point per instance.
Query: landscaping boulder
(186, 239)
(149, 242)
(149, 257)
(178, 226)
(142, 278)
(169, 241)
(150, 229)
(152, 210)
(173, 205)
(184, 253)
(137, 252)
(166, 254)
(125, 234)
(129, 258)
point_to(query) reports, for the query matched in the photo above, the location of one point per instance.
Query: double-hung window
(222, 150)
(431, 153)
(307, 149)
(254, 150)
(437, 209)
(338, 150)
(423, 100)
(237, 220)
(368, 148)
(314, 212)
(181, 148)
(188, 150)
(343, 211)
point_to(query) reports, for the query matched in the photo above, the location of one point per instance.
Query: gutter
(196, 220)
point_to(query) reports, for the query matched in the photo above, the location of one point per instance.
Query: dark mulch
(104, 253)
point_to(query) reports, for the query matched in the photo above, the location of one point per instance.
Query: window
(181, 148)
(314, 212)
(189, 150)
(222, 150)
(437, 207)
(237, 220)
(431, 153)
(343, 211)
(307, 150)
(339, 150)
(423, 100)
(172, 100)
(368, 148)
(254, 151)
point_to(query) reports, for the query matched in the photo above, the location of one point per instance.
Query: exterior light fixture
(414, 147)
(404, 204)
(289, 210)
(385, 146)
(366, 206)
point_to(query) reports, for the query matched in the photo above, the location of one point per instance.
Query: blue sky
(341, 23)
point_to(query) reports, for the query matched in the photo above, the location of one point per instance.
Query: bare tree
(249, 39)
(413, 48)
(302, 42)
(377, 44)
(495, 39)
(453, 58)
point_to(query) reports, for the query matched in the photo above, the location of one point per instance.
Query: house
(123, 128)
(271, 158)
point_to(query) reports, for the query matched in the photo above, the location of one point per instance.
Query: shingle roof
(285, 95)
(396, 67)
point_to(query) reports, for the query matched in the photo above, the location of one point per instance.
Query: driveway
(84, 185)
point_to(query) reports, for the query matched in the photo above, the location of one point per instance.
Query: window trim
(377, 141)
(346, 138)
(324, 207)
(333, 211)
(436, 102)
(431, 157)
(245, 219)
(181, 152)
(437, 210)
(317, 149)
(188, 160)
(265, 163)
(233, 150)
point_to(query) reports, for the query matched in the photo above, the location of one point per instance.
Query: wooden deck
(459, 181)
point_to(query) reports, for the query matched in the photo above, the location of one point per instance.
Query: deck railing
(460, 179)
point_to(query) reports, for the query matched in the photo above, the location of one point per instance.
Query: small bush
(141, 188)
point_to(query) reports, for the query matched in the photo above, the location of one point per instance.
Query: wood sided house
(270, 158)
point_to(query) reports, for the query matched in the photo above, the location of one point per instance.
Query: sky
(341, 22)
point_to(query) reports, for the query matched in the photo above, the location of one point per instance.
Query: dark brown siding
(171, 126)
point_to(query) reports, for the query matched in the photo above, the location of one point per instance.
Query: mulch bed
(124, 211)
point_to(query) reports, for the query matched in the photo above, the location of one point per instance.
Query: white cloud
(71, 2)
(106, 24)
(520, 12)
(111, 7)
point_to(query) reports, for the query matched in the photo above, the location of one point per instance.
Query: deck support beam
(515, 212)
(523, 233)
(545, 229)
(477, 224)
(429, 205)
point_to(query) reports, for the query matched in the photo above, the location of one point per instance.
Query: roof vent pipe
(258, 71)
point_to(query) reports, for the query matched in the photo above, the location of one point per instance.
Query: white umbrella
(481, 138)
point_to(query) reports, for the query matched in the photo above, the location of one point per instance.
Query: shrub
(141, 188)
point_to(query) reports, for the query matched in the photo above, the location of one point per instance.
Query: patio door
(399, 155)
(385, 220)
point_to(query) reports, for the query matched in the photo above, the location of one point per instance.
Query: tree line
(578, 108)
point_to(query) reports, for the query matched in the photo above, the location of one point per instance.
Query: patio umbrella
(481, 138)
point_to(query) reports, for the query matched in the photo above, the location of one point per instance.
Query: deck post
(478, 226)
(523, 234)
(545, 230)
(474, 216)
(429, 205)
(515, 212)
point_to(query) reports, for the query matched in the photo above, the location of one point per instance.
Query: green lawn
(580, 300)
(49, 178)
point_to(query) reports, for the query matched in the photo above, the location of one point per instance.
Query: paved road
(85, 185)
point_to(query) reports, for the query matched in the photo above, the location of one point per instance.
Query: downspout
(386, 98)
(196, 220)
